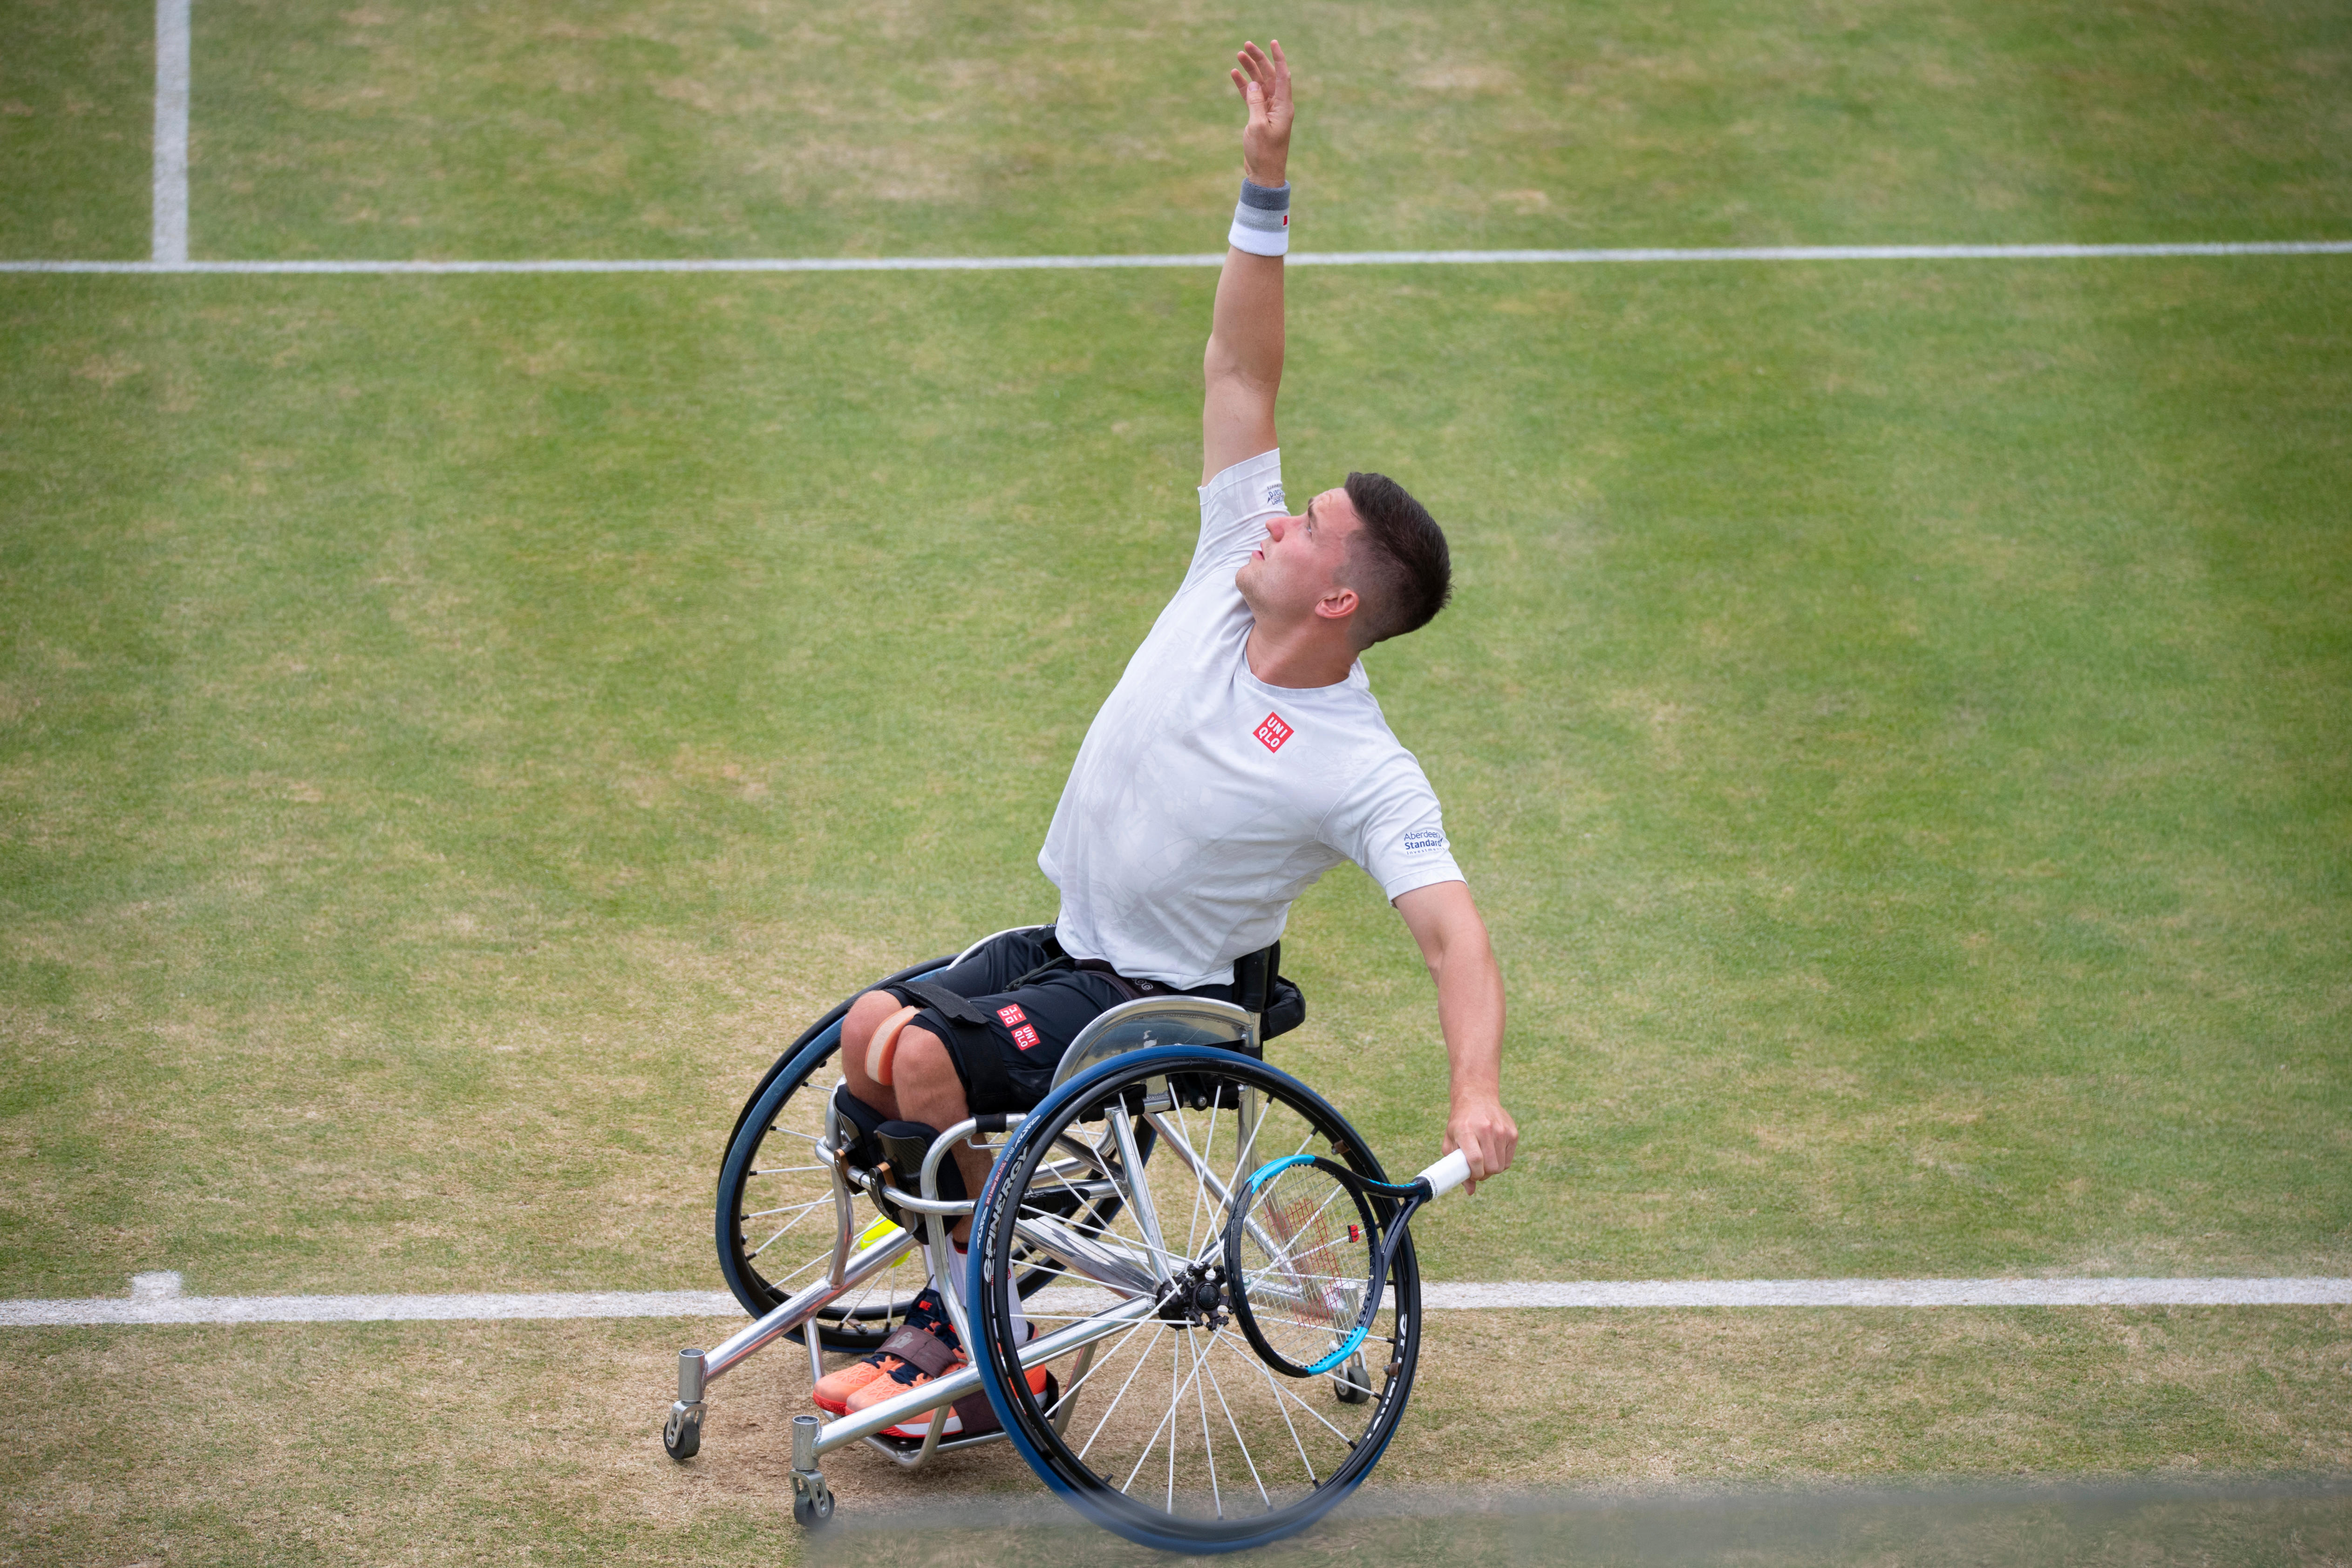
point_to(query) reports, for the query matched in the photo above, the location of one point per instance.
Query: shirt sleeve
(1392, 826)
(1235, 505)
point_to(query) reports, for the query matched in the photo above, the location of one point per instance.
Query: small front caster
(1353, 1385)
(682, 1433)
(810, 1510)
(811, 1498)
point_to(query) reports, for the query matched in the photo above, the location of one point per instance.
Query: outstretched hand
(1264, 85)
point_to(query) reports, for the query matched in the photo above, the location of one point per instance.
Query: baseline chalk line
(170, 205)
(156, 1299)
(166, 264)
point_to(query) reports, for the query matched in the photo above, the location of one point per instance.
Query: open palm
(1263, 81)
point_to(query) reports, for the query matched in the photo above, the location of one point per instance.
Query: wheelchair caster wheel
(1353, 1385)
(682, 1433)
(811, 1498)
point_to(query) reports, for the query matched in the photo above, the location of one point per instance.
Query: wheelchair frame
(1179, 1020)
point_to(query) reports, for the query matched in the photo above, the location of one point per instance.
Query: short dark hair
(1397, 564)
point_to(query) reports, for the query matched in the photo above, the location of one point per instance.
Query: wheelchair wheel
(1174, 1433)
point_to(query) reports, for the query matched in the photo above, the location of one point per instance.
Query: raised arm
(1242, 365)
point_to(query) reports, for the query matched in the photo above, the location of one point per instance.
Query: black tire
(681, 1440)
(1189, 1504)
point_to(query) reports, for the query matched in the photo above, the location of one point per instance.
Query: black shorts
(1007, 1062)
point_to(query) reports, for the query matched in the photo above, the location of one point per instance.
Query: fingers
(1447, 1144)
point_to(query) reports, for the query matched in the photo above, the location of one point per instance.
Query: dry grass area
(458, 1443)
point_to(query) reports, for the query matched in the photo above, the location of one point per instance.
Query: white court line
(1090, 263)
(156, 1299)
(171, 226)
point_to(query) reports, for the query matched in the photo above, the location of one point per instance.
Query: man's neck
(1305, 657)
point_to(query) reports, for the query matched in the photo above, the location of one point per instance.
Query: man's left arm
(1443, 920)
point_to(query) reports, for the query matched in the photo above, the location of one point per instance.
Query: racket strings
(1306, 1257)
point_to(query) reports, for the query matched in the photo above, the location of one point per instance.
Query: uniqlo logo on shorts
(1011, 1014)
(1274, 732)
(1025, 1037)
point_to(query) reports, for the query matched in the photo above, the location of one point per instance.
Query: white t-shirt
(1204, 801)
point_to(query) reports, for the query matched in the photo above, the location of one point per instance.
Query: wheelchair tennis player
(1240, 756)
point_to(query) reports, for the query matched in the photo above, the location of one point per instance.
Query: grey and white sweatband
(1262, 219)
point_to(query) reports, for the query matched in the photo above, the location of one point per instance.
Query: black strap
(951, 1006)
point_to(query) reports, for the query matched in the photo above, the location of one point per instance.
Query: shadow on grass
(2140, 1522)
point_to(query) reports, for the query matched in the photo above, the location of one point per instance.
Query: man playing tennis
(1240, 757)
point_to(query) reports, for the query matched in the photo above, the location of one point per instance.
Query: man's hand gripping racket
(1307, 1259)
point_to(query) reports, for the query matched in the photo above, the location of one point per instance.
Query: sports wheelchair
(1100, 1223)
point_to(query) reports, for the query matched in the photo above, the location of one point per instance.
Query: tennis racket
(1306, 1257)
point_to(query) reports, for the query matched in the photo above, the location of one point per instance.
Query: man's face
(1301, 563)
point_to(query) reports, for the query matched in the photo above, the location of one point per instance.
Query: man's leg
(923, 1084)
(929, 1092)
(867, 1014)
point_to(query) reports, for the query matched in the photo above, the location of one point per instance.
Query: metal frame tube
(800, 1308)
(844, 1208)
(1138, 1191)
(938, 1391)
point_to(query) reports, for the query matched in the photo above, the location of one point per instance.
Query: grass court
(454, 731)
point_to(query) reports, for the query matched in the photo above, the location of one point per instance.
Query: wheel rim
(1176, 1433)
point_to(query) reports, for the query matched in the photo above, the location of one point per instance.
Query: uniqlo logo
(1011, 1014)
(1025, 1037)
(1274, 732)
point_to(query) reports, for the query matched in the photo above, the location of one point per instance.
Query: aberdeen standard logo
(1273, 732)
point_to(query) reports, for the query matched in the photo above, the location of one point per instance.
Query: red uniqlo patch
(1025, 1037)
(1274, 732)
(1011, 1014)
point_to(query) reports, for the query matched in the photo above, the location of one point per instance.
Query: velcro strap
(976, 1414)
(921, 1348)
(959, 1010)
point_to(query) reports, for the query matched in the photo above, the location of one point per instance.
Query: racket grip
(1447, 1174)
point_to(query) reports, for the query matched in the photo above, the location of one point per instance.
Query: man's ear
(1337, 604)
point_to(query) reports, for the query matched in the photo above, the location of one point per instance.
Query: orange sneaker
(973, 1414)
(837, 1393)
(918, 1353)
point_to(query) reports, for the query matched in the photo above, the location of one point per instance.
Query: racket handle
(1447, 1174)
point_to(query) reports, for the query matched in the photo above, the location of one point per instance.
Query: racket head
(1301, 1248)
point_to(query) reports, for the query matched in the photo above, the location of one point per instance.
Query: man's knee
(925, 1076)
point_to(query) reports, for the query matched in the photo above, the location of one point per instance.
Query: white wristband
(1262, 220)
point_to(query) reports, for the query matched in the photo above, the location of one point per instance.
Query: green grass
(688, 128)
(452, 731)
(1892, 717)
(77, 113)
(693, 128)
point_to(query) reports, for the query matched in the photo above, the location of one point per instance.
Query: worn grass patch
(2142, 1525)
(454, 1443)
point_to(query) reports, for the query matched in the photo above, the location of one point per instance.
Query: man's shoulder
(1249, 489)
